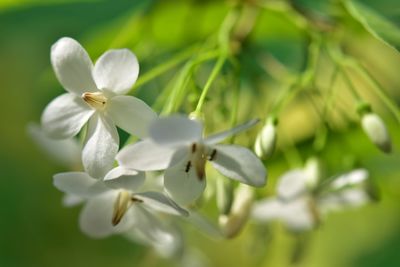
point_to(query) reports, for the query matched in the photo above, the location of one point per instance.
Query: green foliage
(284, 65)
(375, 24)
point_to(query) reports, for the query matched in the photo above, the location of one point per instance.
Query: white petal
(72, 66)
(170, 243)
(292, 184)
(65, 116)
(348, 179)
(149, 228)
(184, 187)
(146, 156)
(348, 198)
(66, 152)
(96, 217)
(159, 202)
(122, 178)
(131, 114)
(166, 241)
(240, 164)
(202, 223)
(79, 184)
(297, 215)
(116, 71)
(219, 137)
(175, 130)
(69, 200)
(267, 210)
(101, 146)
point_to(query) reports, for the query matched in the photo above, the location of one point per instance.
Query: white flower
(347, 191)
(299, 207)
(292, 205)
(175, 143)
(95, 94)
(113, 204)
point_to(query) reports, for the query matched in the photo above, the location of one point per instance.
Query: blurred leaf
(6, 4)
(374, 23)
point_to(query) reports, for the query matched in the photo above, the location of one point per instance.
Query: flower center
(121, 205)
(96, 100)
(198, 158)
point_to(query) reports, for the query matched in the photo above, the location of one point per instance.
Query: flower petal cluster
(176, 144)
(95, 95)
(300, 206)
(114, 204)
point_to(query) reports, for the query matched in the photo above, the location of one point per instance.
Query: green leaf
(381, 28)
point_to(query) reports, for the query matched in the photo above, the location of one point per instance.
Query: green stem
(160, 69)
(342, 60)
(288, 93)
(322, 131)
(314, 51)
(379, 90)
(224, 34)
(224, 39)
(330, 94)
(179, 89)
(217, 68)
(236, 102)
(351, 86)
(303, 80)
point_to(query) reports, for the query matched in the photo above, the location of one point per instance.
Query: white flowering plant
(141, 166)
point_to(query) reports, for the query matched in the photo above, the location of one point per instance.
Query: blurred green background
(35, 230)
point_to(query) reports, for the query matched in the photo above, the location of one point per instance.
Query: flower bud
(232, 224)
(376, 131)
(265, 143)
(313, 170)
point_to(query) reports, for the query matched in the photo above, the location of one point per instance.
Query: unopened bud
(313, 171)
(376, 131)
(232, 224)
(265, 143)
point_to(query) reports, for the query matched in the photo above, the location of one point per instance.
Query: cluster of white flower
(113, 185)
(302, 201)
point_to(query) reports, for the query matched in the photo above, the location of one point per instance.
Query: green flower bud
(376, 131)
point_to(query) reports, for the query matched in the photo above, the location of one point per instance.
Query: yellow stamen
(121, 205)
(96, 100)
(198, 159)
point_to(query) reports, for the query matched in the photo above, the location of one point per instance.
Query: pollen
(96, 100)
